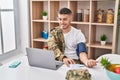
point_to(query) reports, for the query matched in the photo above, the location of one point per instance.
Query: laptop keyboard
(57, 65)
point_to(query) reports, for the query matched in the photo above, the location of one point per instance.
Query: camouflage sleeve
(52, 45)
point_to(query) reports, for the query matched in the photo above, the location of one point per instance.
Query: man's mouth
(62, 25)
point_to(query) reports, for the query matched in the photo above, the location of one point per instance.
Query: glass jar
(110, 16)
(79, 15)
(86, 15)
(100, 14)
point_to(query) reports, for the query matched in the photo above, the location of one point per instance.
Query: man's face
(64, 20)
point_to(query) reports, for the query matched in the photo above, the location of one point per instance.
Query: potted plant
(44, 14)
(103, 39)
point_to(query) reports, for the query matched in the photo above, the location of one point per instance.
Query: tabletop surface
(26, 72)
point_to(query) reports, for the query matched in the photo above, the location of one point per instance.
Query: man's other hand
(68, 61)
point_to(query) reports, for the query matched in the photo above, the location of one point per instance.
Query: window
(9, 26)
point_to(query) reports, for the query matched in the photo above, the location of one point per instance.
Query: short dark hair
(65, 11)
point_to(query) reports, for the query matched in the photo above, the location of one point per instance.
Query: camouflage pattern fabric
(78, 74)
(56, 43)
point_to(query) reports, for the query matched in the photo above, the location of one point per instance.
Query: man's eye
(64, 19)
(58, 18)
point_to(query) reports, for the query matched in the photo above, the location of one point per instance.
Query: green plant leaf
(105, 62)
(103, 37)
(44, 13)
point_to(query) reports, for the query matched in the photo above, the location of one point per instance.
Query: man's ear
(71, 17)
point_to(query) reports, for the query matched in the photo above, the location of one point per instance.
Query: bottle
(110, 16)
(86, 15)
(79, 15)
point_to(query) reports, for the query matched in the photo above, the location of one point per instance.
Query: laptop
(42, 58)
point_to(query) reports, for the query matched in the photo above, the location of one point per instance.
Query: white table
(26, 72)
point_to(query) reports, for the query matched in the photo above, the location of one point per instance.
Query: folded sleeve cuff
(61, 57)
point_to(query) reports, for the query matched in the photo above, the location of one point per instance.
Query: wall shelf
(92, 29)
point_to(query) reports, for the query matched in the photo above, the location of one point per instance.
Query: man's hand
(91, 63)
(68, 61)
(86, 61)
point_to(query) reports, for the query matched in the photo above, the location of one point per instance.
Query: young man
(67, 42)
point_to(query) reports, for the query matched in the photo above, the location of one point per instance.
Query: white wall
(118, 37)
(118, 44)
(24, 23)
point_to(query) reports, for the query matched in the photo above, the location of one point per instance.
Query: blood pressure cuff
(81, 47)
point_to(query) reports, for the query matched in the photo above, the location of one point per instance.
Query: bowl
(112, 75)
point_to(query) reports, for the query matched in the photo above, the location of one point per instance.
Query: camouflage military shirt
(56, 43)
